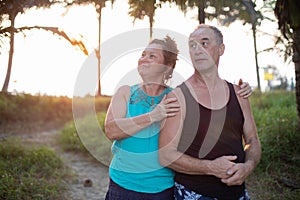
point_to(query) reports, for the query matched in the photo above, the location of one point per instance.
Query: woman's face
(151, 62)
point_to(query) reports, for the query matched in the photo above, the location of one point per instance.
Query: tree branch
(54, 30)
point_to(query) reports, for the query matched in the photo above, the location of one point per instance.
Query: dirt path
(90, 178)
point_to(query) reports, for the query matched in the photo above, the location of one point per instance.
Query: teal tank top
(135, 164)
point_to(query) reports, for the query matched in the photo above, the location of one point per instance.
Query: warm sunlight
(46, 64)
(62, 139)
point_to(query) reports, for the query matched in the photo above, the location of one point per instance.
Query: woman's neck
(153, 89)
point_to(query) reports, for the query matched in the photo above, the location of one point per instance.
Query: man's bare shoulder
(176, 92)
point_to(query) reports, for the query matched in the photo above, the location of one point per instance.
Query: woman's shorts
(116, 192)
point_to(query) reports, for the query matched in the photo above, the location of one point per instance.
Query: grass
(31, 113)
(36, 173)
(87, 135)
(29, 173)
(278, 174)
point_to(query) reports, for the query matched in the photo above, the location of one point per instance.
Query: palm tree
(98, 4)
(9, 9)
(138, 9)
(253, 18)
(287, 12)
(223, 10)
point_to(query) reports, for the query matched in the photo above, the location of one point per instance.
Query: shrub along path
(89, 178)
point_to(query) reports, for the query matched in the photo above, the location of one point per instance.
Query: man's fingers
(231, 158)
(169, 100)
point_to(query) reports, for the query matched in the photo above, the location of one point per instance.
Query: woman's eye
(152, 56)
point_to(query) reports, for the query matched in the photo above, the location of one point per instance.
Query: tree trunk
(255, 55)
(151, 17)
(11, 53)
(98, 55)
(151, 20)
(296, 60)
(201, 13)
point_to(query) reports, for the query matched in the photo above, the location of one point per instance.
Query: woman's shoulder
(124, 90)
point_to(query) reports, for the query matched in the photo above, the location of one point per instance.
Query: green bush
(87, 136)
(29, 172)
(278, 173)
(31, 113)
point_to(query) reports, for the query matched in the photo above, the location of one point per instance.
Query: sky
(45, 64)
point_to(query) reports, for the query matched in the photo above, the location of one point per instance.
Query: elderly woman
(133, 123)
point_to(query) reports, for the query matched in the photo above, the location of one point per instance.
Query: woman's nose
(144, 59)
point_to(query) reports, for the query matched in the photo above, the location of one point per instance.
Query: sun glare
(47, 64)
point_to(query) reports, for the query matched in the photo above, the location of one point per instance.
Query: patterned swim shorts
(183, 193)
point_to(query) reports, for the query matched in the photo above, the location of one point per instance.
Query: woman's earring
(165, 80)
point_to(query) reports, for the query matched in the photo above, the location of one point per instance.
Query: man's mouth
(200, 59)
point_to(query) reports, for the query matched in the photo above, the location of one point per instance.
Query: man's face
(204, 50)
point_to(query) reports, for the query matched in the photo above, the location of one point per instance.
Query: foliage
(29, 172)
(224, 11)
(87, 137)
(38, 111)
(69, 139)
(139, 9)
(287, 19)
(288, 15)
(278, 172)
(15, 6)
(25, 112)
(276, 177)
(96, 3)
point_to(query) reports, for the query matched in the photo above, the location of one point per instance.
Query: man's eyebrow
(205, 39)
(197, 41)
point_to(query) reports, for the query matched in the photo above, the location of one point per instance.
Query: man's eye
(193, 45)
(204, 44)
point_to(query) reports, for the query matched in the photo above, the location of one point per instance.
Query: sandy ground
(90, 178)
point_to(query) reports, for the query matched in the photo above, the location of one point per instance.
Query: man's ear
(221, 49)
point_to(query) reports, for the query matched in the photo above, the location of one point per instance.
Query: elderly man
(212, 143)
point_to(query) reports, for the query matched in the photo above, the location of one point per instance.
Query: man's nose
(198, 50)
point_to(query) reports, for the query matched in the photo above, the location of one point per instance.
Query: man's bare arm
(252, 148)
